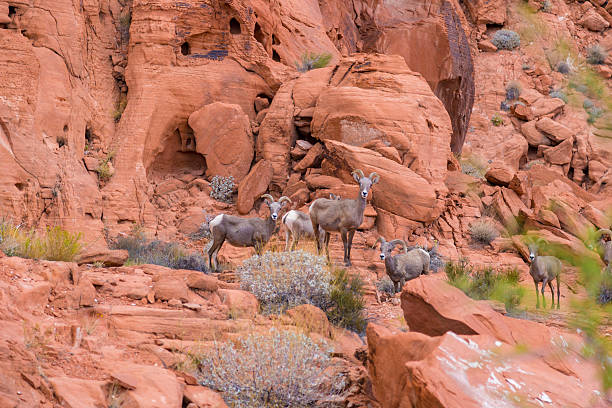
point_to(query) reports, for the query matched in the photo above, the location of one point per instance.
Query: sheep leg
(351, 234)
(544, 282)
(294, 241)
(343, 234)
(558, 291)
(212, 253)
(315, 227)
(327, 234)
(552, 293)
(287, 233)
(537, 294)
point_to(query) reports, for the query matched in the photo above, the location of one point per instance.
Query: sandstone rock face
(223, 136)
(254, 185)
(374, 99)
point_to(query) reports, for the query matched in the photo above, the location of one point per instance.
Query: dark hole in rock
(65, 128)
(235, 26)
(61, 141)
(259, 35)
(20, 186)
(185, 48)
(275, 41)
(12, 11)
(275, 56)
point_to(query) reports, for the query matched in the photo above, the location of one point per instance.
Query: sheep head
(365, 183)
(275, 206)
(534, 246)
(387, 247)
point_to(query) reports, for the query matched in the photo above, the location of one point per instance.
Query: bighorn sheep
(297, 224)
(606, 246)
(404, 266)
(544, 269)
(244, 232)
(343, 216)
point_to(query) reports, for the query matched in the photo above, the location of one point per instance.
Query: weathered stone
(254, 185)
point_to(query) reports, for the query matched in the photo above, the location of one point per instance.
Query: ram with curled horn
(343, 216)
(406, 265)
(244, 232)
(544, 269)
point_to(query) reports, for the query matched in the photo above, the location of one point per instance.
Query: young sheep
(244, 232)
(607, 246)
(544, 269)
(297, 224)
(406, 265)
(343, 216)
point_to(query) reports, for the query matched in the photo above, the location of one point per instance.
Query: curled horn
(603, 231)
(268, 197)
(358, 172)
(283, 199)
(374, 177)
(380, 239)
(400, 241)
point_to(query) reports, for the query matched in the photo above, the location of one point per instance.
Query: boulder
(223, 136)
(554, 130)
(191, 220)
(78, 393)
(85, 292)
(400, 190)
(254, 185)
(171, 287)
(593, 21)
(376, 102)
(410, 369)
(546, 106)
(201, 281)
(486, 46)
(499, 175)
(548, 217)
(560, 154)
(312, 158)
(203, 397)
(154, 387)
(487, 12)
(109, 257)
(533, 136)
(241, 304)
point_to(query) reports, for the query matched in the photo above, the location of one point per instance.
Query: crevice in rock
(235, 26)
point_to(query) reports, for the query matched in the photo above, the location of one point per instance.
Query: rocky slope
(120, 112)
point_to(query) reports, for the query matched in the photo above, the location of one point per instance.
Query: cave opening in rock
(12, 11)
(185, 48)
(235, 26)
(275, 56)
(259, 35)
(172, 161)
(61, 141)
(88, 135)
(65, 128)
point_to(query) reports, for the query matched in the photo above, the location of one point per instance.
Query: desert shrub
(605, 290)
(497, 120)
(594, 114)
(484, 231)
(559, 94)
(222, 188)
(385, 285)
(281, 280)
(587, 104)
(274, 369)
(564, 67)
(596, 55)
(310, 61)
(436, 261)
(168, 254)
(506, 39)
(513, 90)
(346, 302)
(120, 106)
(486, 283)
(546, 6)
(104, 169)
(54, 244)
(473, 166)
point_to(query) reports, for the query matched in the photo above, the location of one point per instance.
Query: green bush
(483, 231)
(272, 370)
(487, 283)
(55, 244)
(559, 94)
(119, 108)
(506, 39)
(312, 61)
(497, 120)
(596, 55)
(347, 304)
(222, 188)
(104, 167)
(168, 254)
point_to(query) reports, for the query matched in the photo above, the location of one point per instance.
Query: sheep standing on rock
(244, 232)
(297, 224)
(544, 269)
(343, 216)
(406, 265)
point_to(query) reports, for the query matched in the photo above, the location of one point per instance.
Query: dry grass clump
(54, 244)
(483, 231)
